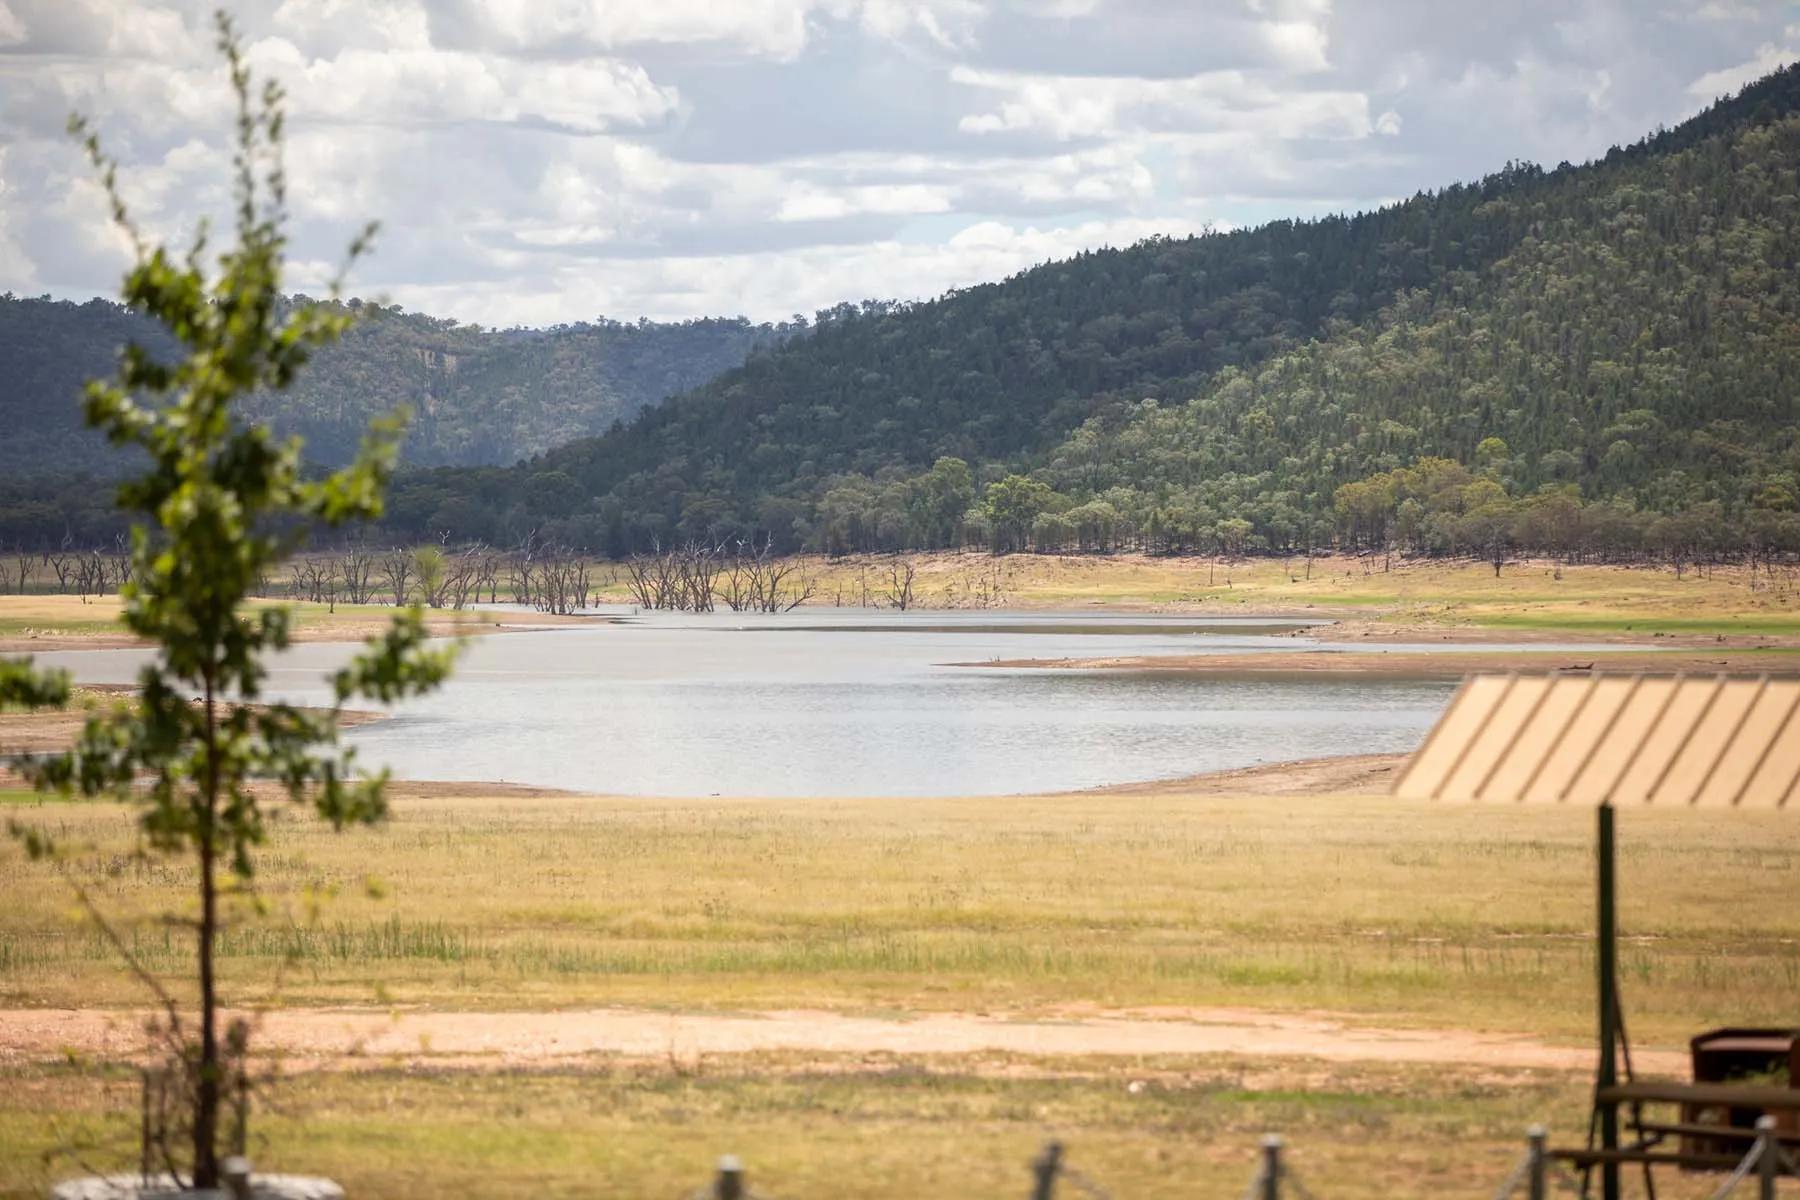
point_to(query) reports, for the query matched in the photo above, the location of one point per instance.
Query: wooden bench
(1633, 1155)
(1647, 1150)
(1711, 1095)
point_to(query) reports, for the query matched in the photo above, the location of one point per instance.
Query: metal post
(1044, 1171)
(1271, 1167)
(1608, 942)
(1768, 1167)
(236, 1170)
(730, 1185)
(1537, 1174)
(144, 1134)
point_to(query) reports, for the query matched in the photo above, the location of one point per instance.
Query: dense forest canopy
(1600, 357)
(1616, 340)
(477, 396)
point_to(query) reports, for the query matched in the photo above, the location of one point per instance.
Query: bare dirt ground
(332, 1037)
(37, 732)
(1348, 775)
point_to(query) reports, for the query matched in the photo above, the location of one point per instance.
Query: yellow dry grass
(42, 622)
(843, 1125)
(1529, 597)
(1400, 913)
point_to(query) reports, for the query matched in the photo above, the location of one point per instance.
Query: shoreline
(1425, 664)
(1337, 775)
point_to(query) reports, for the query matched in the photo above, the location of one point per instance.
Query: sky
(535, 162)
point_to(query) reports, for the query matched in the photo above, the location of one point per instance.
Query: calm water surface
(855, 703)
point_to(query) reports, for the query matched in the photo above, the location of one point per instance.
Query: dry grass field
(1379, 912)
(1535, 597)
(818, 1127)
(1405, 914)
(1395, 599)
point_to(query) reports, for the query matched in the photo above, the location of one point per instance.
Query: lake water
(855, 703)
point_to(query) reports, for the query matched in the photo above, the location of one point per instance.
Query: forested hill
(1624, 328)
(477, 396)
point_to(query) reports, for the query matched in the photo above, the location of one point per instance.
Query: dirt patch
(301, 1038)
(1349, 775)
(39, 732)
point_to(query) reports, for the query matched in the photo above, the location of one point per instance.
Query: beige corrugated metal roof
(1618, 739)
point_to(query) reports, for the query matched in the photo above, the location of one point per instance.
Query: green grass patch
(1644, 625)
(25, 627)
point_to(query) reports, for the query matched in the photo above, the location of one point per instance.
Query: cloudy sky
(537, 161)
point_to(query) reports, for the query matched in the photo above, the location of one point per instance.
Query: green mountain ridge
(1619, 334)
(477, 396)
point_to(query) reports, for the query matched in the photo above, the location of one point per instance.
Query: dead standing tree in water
(900, 584)
(684, 580)
(564, 582)
(464, 574)
(754, 580)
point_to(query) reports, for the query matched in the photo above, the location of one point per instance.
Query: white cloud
(802, 281)
(947, 23)
(1076, 107)
(773, 28)
(1728, 80)
(12, 30)
(550, 160)
(807, 203)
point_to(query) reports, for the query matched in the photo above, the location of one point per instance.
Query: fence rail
(1537, 1173)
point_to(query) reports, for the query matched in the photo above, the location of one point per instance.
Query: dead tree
(397, 571)
(309, 579)
(564, 582)
(464, 574)
(752, 579)
(355, 570)
(684, 580)
(900, 584)
(63, 564)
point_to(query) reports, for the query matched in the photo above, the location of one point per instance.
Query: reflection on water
(855, 704)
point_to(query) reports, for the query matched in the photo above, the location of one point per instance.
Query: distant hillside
(1623, 331)
(1593, 359)
(477, 396)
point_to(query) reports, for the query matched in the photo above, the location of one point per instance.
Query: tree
(1012, 505)
(221, 502)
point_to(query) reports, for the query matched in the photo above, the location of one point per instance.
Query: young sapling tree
(218, 504)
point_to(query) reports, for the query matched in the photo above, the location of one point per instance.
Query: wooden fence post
(1537, 1173)
(731, 1179)
(1044, 1171)
(1271, 1167)
(1768, 1166)
(236, 1170)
